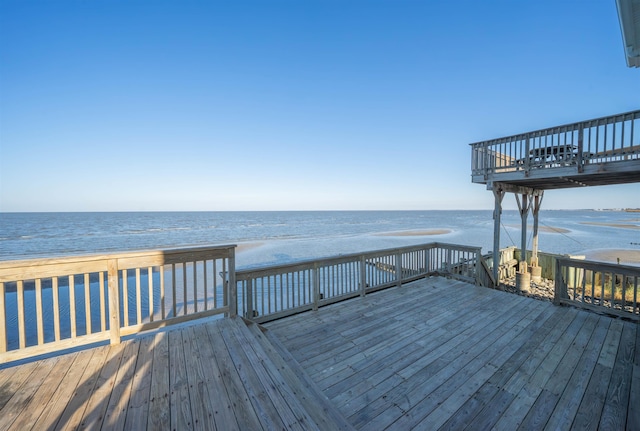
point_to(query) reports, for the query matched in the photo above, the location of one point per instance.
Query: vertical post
(114, 301)
(536, 271)
(580, 153)
(231, 286)
(523, 208)
(497, 212)
(316, 287)
(249, 314)
(363, 276)
(399, 268)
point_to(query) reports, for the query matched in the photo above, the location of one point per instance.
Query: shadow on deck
(432, 354)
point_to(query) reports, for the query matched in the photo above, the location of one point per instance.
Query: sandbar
(247, 246)
(627, 257)
(416, 232)
(548, 229)
(618, 225)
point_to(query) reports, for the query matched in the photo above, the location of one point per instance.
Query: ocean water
(282, 237)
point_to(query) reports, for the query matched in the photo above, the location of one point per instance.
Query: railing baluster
(39, 322)
(72, 305)
(150, 301)
(138, 298)
(56, 308)
(125, 296)
(195, 287)
(87, 303)
(185, 288)
(162, 293)
(103, 318)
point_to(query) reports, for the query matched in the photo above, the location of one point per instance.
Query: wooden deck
(220, 374)
(441, 354)
(433, 354)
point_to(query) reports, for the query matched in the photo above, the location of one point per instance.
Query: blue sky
(292, 105)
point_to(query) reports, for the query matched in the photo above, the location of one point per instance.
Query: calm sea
(280, 237)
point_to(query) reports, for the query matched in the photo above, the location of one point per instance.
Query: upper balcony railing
(602, 140)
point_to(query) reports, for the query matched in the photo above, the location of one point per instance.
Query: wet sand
(247, 246)
(416, 232)
(547, 229)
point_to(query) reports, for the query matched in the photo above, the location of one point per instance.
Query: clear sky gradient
(292, 105)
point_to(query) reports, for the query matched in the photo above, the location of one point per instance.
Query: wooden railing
(607, 139)
(598, 286)
(277, 291)
(54, 304)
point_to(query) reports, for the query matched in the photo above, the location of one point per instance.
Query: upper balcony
(587, 153)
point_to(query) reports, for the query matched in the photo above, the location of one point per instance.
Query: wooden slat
(51, 412)
(249, 381)
(20, 399)
(203, 407)
(115, 414)
(181, 417)
(138, 409)
(87, 304)
(614, 412)
(159, 407)
(245, 414)
(75, 408)
(590, 409)
(216, 399)
(99, 400)
(633, 412)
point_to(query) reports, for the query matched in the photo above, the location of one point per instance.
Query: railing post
(399, 268)
(580, 153)
(363, 276)
(316, 286)
(560, 287)
(114, 301)
(249, 314)
(478, 267)
(231, 285)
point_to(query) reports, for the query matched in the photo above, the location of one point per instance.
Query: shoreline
(615, 225)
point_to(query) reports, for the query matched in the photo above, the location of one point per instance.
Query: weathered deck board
(470, 358)
(433, 354)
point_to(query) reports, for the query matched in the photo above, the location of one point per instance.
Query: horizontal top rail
(601, 121)
(629, 270)
(243, 274)
(48, 267)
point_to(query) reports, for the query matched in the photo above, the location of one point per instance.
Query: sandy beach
(416, 232)
(627, 257)
(618, 225)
